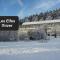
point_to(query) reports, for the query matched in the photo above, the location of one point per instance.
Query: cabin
(40, 29)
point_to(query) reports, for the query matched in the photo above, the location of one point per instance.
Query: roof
(41, 22)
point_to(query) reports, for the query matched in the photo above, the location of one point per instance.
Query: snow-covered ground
(31, 50)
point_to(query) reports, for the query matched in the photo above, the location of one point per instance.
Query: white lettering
(6, 25)
(10, 21)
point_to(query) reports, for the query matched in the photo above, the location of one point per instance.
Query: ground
(31, 50)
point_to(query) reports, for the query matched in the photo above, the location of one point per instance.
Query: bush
(36, 35)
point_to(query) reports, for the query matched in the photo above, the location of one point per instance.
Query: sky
(24, 8)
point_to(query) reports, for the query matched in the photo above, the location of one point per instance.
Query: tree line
(49, 15)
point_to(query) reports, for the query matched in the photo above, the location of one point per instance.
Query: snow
(31, 50)
(41, 22)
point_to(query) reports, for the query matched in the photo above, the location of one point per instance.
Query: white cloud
(20, 2)
(46, 5)
(21, 14)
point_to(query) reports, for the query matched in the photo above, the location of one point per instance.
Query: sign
(9, 22)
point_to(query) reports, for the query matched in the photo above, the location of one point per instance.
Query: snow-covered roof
(41, 22)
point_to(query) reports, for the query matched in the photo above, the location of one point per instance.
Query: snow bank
(17, 51)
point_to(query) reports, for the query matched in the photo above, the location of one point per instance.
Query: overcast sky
(23, 8)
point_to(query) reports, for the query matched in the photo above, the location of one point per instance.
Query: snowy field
(31, 50)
